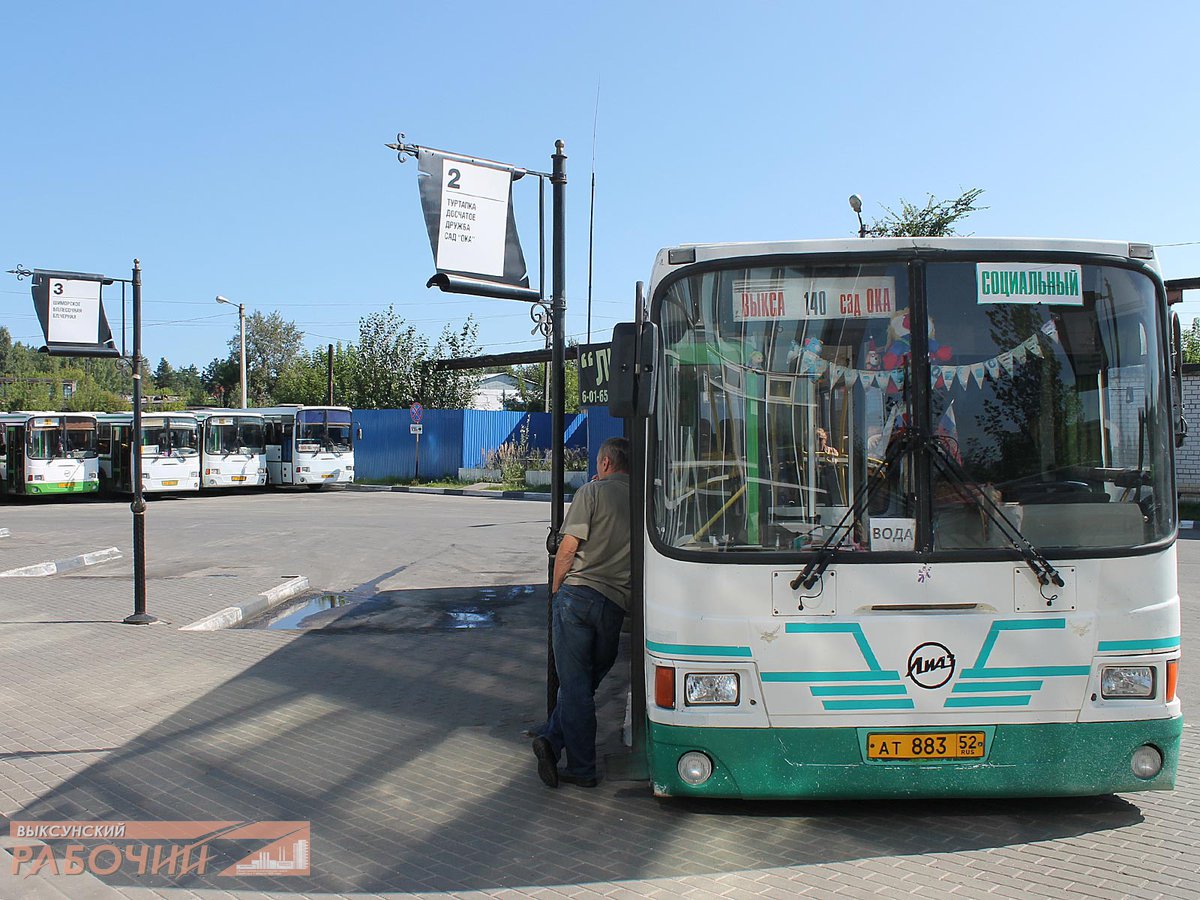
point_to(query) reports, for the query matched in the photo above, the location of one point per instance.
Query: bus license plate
(238, 478)
(171, 483)
(327, 475)
(926, 745)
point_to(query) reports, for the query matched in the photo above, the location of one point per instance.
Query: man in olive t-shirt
(591, 596)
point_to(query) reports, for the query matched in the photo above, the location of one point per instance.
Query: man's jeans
(587, 635)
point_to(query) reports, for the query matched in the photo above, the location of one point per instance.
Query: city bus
(309, 445)
(232, 452)
(49, 453)
(169, 446)
(907, 519)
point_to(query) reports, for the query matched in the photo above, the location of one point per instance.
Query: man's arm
(563, 559)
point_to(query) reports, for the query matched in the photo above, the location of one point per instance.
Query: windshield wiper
(952, 468)
(825, 555)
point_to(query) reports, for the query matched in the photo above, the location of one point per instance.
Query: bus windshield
(170, 437)
(328, 429)
(65, 437)
(788, 395)
(233, 434)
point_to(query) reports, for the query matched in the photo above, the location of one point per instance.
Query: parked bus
(309, 445)
(908, 520)
(170, 452)
(232, 452)
(49, 453)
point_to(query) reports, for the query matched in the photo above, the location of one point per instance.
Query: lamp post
(242, 328)
(856, 205)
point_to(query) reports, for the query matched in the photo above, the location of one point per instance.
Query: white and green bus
(232, 448)
(908, 520)
(169, 446)
(48, 453)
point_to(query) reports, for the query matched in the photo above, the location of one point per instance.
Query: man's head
(613, 457)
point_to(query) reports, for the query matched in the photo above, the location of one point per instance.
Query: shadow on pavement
(403, 748)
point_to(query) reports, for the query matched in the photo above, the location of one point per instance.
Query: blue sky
(237, 148)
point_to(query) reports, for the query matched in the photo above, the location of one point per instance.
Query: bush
(514, 456)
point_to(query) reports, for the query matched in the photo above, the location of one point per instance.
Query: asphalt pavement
(403, 747)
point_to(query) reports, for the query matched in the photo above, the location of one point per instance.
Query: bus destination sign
(803, 299)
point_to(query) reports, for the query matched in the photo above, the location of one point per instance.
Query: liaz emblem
(930, 665)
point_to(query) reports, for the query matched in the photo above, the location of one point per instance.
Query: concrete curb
(234, 615)
(488, 495)
(63, 565)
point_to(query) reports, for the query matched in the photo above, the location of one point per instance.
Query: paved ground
(404, 749)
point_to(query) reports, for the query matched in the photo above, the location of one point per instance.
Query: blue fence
(600, 427)
(453, 438)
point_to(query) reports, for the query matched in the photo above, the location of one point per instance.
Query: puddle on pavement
(429, 610)
(295, 615)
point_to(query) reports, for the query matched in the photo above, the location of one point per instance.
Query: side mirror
(1181, 427)
(631, 391)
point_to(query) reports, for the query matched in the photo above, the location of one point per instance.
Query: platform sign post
(415, 412)
(70, 309)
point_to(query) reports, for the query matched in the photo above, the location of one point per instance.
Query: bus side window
(104, 439)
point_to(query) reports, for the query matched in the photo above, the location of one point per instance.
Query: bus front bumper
(1045, 760)
(63, 487)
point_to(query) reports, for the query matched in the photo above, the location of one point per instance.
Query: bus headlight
(1127, 681)
(1147, 761)
(720, 688)
(695, 768)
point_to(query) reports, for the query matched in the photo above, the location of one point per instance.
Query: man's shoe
(577, 780)
(547, 762)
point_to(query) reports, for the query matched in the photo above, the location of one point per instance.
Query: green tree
(392, 364)
(1191, 343)
(531, 387)
(222, 381)
(307, 379)
(272, 344)
(936, 218)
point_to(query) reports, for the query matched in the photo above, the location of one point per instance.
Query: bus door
(122, 458)
(285, 448)
(15, 461)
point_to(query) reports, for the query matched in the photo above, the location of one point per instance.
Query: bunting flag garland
(809, 363)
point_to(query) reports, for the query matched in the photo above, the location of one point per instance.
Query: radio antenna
(592, 212)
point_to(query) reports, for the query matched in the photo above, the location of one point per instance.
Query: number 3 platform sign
(71, 313)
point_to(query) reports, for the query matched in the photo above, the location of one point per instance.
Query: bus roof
(292, 409)
(711, 252)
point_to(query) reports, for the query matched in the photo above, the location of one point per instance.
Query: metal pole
(242, 327)
(139, 617)
(558, 309)
(330, 375)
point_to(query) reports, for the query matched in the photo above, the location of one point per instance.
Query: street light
(856, 205)
(242, 328)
